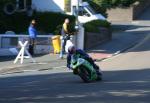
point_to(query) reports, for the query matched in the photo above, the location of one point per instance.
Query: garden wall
(128, 14)
(94, 39)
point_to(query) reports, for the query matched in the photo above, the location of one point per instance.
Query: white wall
(41, 47)
(49, 5)
(75, 2)
(80, 38)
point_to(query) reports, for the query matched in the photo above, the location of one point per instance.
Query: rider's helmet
(71, 49)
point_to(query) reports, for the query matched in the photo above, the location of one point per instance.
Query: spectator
(32, 36)
(65, 36)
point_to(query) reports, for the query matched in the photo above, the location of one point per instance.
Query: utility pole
(77, 12)
(77, 15)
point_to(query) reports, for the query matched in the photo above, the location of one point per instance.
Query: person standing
(32, 36)
(65, 36)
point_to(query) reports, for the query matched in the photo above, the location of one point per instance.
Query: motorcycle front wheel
(85, 74)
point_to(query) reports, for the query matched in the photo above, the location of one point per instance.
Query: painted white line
(41, 63)
(134, 47)
(117, 52)
(29, 70)
(112, 57)
(59, 67)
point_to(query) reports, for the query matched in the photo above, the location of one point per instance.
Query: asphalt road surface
(126, 80)
(124, 86)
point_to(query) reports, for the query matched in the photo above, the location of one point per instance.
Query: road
(117, 87)
(126, 80)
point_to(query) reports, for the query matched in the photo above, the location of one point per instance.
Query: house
(30, 5)
(39, 5)
(49, 5)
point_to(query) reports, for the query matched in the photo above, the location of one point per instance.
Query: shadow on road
(117, 87)
(145, 15)
(125, 36)
(6, 58)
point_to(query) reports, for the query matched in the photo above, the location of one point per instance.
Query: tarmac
(125, 37)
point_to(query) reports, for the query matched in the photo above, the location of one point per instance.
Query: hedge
(113, 3)
(47, 22)
(93, 26)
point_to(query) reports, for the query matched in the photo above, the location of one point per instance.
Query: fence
(43, 44)
(9, 42)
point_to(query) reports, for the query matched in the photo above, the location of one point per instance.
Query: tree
(114, 3)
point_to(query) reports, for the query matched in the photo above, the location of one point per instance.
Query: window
(74, 10)
(29, 3)
(67, 5)
(83, 12)
(90, 9)
(21, 4)
(24, 4)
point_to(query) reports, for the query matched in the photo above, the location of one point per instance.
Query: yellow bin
(56, 43)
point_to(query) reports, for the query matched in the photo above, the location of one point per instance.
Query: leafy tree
(100, 6)
(114, 3)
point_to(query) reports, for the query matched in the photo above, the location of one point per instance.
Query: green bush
(90, 28)
(47, 22)
(93, 26)
(4, 2)
(17, 22)
(122, 3)
(113, 3)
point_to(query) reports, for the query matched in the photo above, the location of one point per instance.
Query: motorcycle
(84, 69)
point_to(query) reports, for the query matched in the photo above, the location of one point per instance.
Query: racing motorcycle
(84, 69)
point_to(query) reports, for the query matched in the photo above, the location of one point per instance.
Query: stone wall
(128, 14)
(120, 14)
(94, 39)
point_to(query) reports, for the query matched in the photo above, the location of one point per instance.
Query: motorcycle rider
(73, 51)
